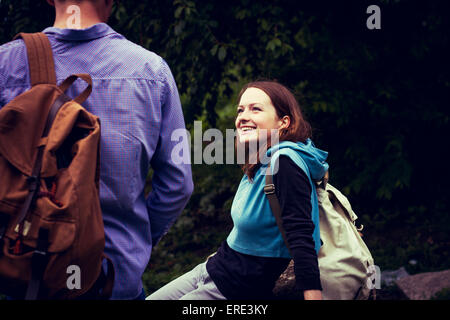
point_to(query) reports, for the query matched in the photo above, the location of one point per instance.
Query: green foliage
(377, 100)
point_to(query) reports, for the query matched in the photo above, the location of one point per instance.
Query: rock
(423, 286)
(389, 277)
(285, 285)
(390, 293)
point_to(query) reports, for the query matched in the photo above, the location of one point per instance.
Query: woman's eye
(239, 111)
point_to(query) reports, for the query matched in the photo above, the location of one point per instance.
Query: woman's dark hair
(285, 104)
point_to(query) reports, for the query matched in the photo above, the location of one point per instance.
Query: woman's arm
(312, 294)
(294, 195)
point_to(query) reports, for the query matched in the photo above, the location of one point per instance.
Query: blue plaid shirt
(136, 98)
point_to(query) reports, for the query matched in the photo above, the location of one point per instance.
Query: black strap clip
(39, 262)
(32, 182)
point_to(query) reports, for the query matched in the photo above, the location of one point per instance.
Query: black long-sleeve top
(242, 276)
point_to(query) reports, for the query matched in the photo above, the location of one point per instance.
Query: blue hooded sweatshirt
(255, 230)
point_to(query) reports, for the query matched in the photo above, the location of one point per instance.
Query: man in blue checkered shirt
(136, 98)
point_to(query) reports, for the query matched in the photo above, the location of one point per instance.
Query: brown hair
(285, 104)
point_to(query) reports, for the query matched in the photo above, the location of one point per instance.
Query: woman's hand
(312, 294)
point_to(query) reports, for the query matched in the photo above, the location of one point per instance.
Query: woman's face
(255, 112)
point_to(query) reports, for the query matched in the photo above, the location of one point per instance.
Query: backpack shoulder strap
(40, 58)
(269, 190)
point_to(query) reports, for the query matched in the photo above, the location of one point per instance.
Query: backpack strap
(39, 261)
(71, 79)
(40, 58)
(269, 190)
(107, 282)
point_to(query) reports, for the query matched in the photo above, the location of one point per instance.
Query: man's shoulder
(13, 47)
(140, 57)
(136, 49)
(11, 56)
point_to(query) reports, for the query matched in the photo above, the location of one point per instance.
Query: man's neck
(81, 16)
(64, 25)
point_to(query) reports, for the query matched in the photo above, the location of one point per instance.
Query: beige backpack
(344, 259)
(345, 262)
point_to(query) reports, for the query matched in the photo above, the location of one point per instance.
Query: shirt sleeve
(293, 190)
(2, 89)
(172, 183)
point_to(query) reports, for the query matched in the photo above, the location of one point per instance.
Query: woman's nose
(244, 115)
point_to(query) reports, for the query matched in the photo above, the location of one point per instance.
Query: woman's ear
(285, 123)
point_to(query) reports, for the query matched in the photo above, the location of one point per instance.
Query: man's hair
(78, 1)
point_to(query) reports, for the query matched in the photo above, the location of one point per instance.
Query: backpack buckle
(269, 188)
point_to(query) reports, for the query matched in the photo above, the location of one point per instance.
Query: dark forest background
(378, 101)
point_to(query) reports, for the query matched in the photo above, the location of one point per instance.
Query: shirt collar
(93, 32)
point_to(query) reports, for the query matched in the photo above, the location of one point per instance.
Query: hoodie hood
(313, 157)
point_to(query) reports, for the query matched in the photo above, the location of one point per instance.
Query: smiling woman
(251, 259)
(268, 105)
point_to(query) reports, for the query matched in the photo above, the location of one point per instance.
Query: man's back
(136, 99)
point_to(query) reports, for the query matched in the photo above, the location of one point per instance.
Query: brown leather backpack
(51, 227)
